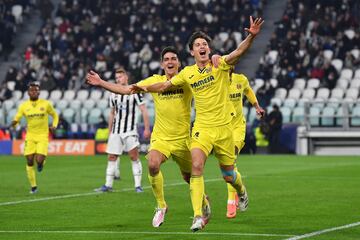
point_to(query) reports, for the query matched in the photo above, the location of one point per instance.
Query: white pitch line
(324, 231)
(90, 194)
(151, 233)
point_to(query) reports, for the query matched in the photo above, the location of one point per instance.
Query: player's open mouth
(170, 67)
(202, 53)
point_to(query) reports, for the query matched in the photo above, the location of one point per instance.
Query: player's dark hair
(34, 84)
(120, 70)
(196, 35)
(168, 49)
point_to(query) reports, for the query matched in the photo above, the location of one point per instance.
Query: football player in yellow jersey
(239, 86)
(212, 129)
(36, 112)
(171, 132)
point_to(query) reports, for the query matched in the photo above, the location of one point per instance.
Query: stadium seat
(290, 103)
(55, 95)
(350, 33)
(355, 116)
(245, 112)
(81, 116)
(238, 37)
(89, 104)
(2, 118)
(10, 116)
(333, 102)
(339, 116)
(357, 73)
(44, 94)
(106, 95)
(95, 95)
(62, 104)
(338, 64)
(337, 93)
(276, 101)
(82, 95)
(313, 83)
(302, 101)
(318, 102)
(314, 116)
(273, 55)
(342, 83)
(294, 93)
(346, 73)
(352, 93)
(300, 83)
(8, 105)
(94, 116)
(327, 117)
(274, 82)
(286, 113)
(17, 11)
(16, 95)
(259, 83)
(69, 115)
(298, 115)
(102, 104)
(11, 85)
(323, 93)
(224, 36)
(69, 95)
(309, 93)
(106, 113)
(280, 93)
(268, 109)
(328, 54)
(355, 53)
(355, 83)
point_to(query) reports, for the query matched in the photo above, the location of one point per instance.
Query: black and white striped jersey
(125, 117)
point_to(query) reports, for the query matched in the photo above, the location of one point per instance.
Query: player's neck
(170, 75)
(202, 64)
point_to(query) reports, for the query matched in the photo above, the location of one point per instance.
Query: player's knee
(229, 175)
(154, 168)
(197, 167)
(112, 157)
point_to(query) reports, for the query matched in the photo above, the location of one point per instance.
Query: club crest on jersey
(42, 109)
(238, 86)
(207, 70)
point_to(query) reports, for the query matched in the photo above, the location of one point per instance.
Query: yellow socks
(31, 175)
(232, 190)
(197, 194)
(238, 185)
(157, 185)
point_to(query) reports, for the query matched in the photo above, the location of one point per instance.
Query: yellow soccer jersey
(172, 109)
(239, 83)
(36, 114)
(210, 87)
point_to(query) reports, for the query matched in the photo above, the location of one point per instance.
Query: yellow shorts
(239, 132)
(33, 146)
(177, 149)
(219, 139)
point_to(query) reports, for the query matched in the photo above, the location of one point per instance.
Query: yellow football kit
(171, 131)
(37, 134)
(212, 129)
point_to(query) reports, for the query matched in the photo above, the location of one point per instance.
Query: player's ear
(192, 52)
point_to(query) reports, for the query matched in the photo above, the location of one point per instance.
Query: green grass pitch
(290, 196)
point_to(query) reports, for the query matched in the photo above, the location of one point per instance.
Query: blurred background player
(123, 133)
(36, 112)
(171, 133)
(239, 86)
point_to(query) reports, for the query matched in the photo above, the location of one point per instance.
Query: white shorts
(117, 144)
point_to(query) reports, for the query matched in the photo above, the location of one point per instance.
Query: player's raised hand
(215, 59)
(255, 26)
(93, 78)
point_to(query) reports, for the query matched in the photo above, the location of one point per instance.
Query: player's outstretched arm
(94, 79)
(157, 87)
(253, 30)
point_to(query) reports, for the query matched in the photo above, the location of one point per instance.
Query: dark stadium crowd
(308, 36)
(103, 35)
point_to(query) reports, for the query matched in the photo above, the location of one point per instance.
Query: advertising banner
(61, 147)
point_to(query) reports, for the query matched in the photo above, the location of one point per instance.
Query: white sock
(110, 173)
(117, 169)
(137, 172)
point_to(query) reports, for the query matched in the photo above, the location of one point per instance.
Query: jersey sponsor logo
(191, 76)
(235, 95)
(172, 92)
(36, 115)
(202, 82)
